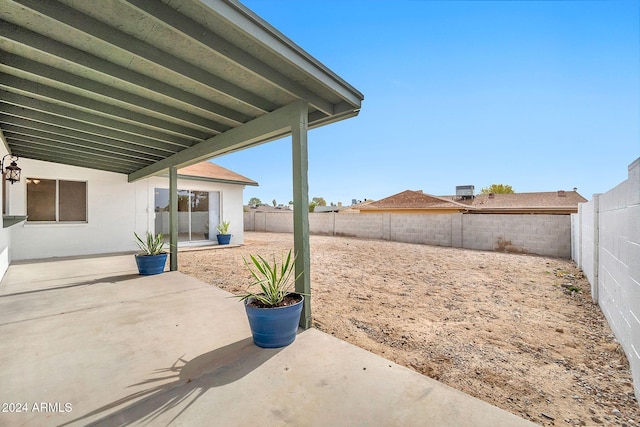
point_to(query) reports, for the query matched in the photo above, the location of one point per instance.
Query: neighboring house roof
(356, 207)
(551, 202)
(211, 172)
(541, 202)
(323, 209)
(414, 200)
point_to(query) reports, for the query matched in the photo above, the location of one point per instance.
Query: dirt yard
(517, 331)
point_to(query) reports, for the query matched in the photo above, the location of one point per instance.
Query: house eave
(528, 210)
(216, 180)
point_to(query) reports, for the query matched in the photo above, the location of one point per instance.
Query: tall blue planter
(151, 264)
(274, 327)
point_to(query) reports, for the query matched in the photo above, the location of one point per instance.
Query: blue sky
(540, 95)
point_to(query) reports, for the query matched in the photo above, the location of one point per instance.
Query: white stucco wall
(5, 233)
(5, 243)
(231, 207)
(112, 204)
(116, 208)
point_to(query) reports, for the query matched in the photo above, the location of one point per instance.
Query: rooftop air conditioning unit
(465, 191)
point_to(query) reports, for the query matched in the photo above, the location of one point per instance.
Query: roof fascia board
(265, 128)
(242, 17)
(317, 119)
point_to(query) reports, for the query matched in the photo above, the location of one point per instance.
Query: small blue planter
(224, 239)
(274, 327)
(151, 264)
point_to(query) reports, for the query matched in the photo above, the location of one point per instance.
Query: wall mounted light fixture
(12, 171)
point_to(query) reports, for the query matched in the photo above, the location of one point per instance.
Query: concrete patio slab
(86, 341)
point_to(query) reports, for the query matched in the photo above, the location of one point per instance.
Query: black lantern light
(11, 172)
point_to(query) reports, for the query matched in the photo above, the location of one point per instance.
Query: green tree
(255, 201)
(274, 202)
(312, 206)
(319, 201)
(497, 189)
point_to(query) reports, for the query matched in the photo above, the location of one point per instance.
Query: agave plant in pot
(153, 258)
(223, 235)
(274, 311)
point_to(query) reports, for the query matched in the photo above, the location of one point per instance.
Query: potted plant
(223, 233)
(152, 259)
(274, 312)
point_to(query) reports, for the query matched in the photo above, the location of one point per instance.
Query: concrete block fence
(548, 235)
(606, 246)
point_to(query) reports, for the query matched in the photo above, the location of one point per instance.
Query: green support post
(299, 129)
(173, 218)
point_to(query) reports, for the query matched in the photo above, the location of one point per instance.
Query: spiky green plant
(275, 280)
(153, 245)
(223, 227)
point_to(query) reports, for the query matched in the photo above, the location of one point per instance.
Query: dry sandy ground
(518, 331)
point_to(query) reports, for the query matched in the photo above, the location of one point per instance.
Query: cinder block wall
(420, 228)
(279, 222)
(586, 236)
(610, 257)
(355, 225)
(548, 235)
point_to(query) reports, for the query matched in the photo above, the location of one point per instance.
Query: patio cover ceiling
(128, 85)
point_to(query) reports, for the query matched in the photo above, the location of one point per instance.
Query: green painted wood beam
(173, 218)
(134, 142)
(117, 148)
(54, 95)
(195, 31)
(301, 211)
(267, 127)
(132, 49)
(140, 86)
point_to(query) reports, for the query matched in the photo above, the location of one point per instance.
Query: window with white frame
(56, 200)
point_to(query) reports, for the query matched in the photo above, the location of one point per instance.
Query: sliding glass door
(198, 214)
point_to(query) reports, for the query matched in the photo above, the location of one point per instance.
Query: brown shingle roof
(213, 172)
(549, 199)
(355, 208)
(414, 200)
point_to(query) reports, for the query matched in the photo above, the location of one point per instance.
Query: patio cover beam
(267, 127)
(292, 119)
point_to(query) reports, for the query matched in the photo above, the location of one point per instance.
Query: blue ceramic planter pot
(274, 327)
(224, 239)
(151, 264)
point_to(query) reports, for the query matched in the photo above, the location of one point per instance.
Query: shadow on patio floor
(192, 379)
(109, 279)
